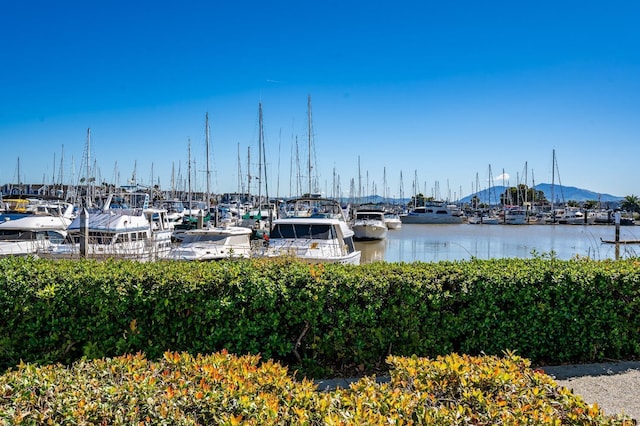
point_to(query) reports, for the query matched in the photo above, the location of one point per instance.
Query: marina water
(433, 243)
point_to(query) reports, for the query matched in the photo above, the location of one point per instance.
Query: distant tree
(517, 195)
(475, 202)
(419, 200)
(573, 203)
(590, 204)
(631, 203)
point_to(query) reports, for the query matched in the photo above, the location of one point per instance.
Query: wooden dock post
(84, 232)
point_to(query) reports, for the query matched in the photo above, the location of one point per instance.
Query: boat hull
(369, 231)
(430, 219)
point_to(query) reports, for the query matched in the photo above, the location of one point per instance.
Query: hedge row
(223, 389)
(322, 319)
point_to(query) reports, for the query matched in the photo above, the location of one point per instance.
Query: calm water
(432, 243)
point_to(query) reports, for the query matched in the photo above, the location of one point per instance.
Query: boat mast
(189, 176)
(88, 202)
(553, 179)
(310, 130)
(260, 135)
(359, 182)
(248, 173)
(208, 171)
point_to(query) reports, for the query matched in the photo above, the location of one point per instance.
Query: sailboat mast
(208, 200)
(249, 172)
(259, 154)
(310, 130)
(189, 176)
(88, 155)
(553, 179)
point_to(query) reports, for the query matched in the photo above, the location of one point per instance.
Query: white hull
(430, 219)
(434, 214)
(22, 248)
(366, 231)
(312, 240)
(28, 234)
(369, 225)
(484, 220)
(213, 244)
(327, 253)
(392, 221)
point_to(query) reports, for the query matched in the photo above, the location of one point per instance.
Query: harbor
(432, 243)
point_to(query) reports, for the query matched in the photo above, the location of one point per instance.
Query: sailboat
(312, 229)
(209, 241)
(260, 216)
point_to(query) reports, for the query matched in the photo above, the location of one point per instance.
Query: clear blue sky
(433, 89)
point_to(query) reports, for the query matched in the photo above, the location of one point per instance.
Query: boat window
(212, 238)
(369, 216)
(55, 237)
(290, 230)
(100, 237)
(18, 235)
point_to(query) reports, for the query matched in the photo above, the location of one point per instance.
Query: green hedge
(323, 319)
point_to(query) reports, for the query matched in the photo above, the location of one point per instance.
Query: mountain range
(561, 194)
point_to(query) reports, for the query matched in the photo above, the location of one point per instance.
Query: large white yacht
(125, 228)
(434, 213)
(44, 224)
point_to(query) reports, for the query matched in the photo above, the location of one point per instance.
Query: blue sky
(441, 91)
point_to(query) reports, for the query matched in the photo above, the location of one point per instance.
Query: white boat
(125, 228)
(46, 224)
(515, 216)
(434, 213)
(313, 229)
(313, 240)
(392, 220)
(575, 216)
(483, 219)
(215, 243)
(369, 225)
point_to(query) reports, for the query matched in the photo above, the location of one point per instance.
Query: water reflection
(372, 251)
(432, 243)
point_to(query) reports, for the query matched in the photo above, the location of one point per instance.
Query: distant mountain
(560, 194)
(575, 194)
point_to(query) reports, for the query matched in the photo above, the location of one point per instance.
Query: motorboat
(434, 213)
(125, 228)
(369, 225)
(213, 243)
(482, 218)
(313, 229)
(575, 216)
(46, 224)
(313, 240)
(515, 215)
(392, 220)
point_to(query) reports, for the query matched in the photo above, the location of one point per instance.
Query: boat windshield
(209, 238)
(303, 230)
(369, 216)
